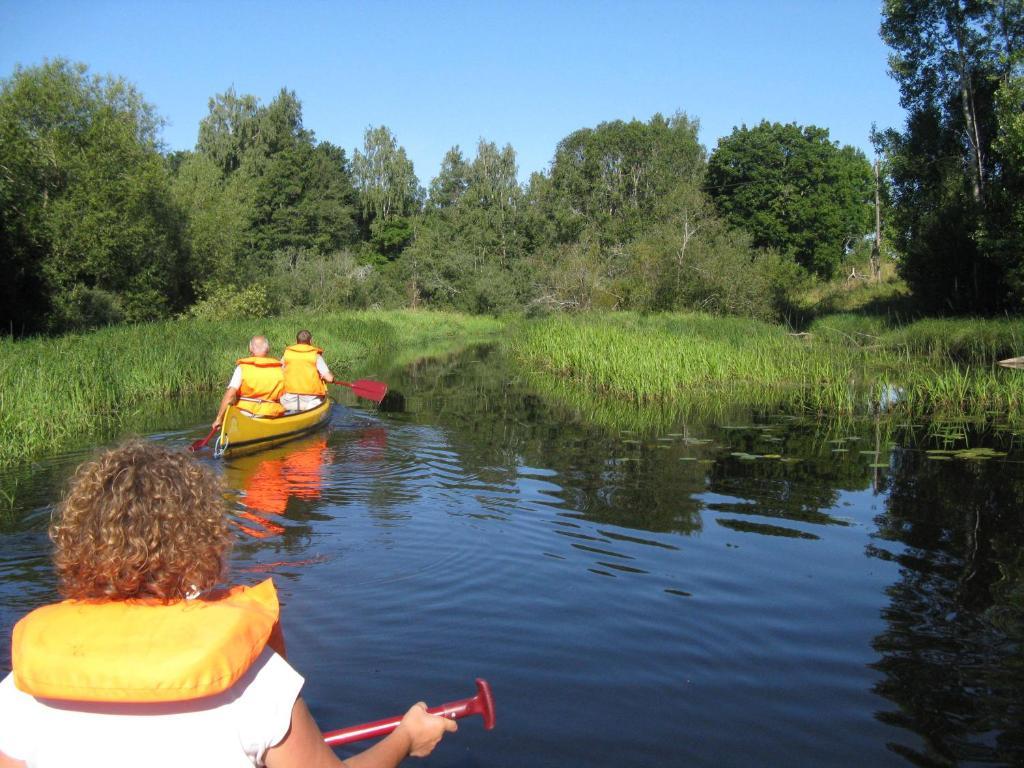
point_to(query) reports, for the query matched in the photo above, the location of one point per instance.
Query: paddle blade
(198, 445)
(366, 389)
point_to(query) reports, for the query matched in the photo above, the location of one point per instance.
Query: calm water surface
(716, 594)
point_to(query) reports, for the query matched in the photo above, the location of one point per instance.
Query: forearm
(229, 399)
(386, 753)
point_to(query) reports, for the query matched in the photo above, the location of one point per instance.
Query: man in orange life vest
(256, 385)
(304, 374)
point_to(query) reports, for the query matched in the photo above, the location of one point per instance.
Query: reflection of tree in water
(802, 491)
(495, 427)
(951, 654)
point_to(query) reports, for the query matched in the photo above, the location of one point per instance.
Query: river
(765, 591)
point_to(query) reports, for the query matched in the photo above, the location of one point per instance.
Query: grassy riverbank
(59, 392)
(846, 365)
(54, 391)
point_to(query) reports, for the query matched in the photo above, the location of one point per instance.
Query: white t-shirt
(233, 728)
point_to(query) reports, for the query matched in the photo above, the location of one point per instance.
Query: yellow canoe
(241, 433)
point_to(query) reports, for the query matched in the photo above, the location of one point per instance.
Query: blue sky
(443, 73)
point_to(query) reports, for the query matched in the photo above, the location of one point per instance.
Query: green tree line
(98, 224)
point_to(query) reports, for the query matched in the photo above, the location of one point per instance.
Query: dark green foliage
(469, 244)
(389, 236)
(611, 179)
(794, 191)
(258, 184)
(622, 222)
(956, 169)
(89, 227)
(388, 191)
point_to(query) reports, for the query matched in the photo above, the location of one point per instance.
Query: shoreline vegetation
(56, 391)
(844, 366)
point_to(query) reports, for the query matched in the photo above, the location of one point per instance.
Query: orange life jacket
(144, 651)
(300, 374)
(262, 386)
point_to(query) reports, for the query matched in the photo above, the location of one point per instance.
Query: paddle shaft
(481, 704)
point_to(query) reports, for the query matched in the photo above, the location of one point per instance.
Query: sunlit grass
(53, 391)
(846, 366)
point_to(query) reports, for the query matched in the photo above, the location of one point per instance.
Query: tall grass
(53, 391)
(847, 366)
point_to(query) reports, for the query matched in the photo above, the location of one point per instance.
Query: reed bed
(56, 390)
(847, 366)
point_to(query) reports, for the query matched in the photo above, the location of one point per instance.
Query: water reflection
(266, 481)
(951, 651)
(825, 589)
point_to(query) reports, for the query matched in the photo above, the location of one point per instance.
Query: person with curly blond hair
(146, 662)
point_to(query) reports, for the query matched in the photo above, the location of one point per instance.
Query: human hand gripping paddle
(481, 704)
(368, 390)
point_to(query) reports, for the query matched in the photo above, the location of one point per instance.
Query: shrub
(228, 302)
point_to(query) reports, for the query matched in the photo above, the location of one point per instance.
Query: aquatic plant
(846, 366)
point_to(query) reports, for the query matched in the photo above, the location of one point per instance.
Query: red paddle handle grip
(481, 704)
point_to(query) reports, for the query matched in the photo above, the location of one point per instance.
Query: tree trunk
(970, 122)
(876, 249)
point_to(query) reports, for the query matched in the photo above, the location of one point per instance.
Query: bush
(228, 302)
(305, 279)
(83, 308)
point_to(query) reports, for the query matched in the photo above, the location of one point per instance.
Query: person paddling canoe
(256, 384)
(146, 663)
(304, 374)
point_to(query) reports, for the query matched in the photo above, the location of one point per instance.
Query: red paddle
(198, 445)
(481, 704)
(368, 390)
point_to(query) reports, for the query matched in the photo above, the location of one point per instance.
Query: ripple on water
(648, 612)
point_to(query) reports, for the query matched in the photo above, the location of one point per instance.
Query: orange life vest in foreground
(144, 651)
(300, 374)
(262, 386)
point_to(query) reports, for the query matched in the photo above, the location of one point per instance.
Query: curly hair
(140, 521)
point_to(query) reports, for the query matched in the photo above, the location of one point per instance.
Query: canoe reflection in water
(267, 480)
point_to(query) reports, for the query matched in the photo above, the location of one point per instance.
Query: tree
(1005, 233)
(229, 130)
(385, 180)
(793, 190)
(217, 217)
(278, 189)
(90, 231)
(953, 168)
(388, 191)
(610, 178)
(468, 247)
(451, 181)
